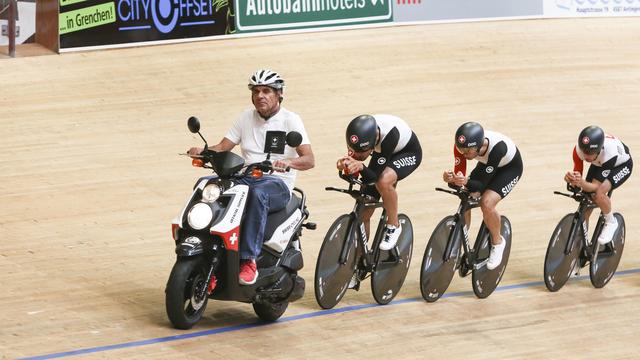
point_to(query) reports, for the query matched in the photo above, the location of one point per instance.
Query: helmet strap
(481, 145)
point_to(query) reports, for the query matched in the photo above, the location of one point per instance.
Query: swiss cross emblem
(233, 239)
(461, 139)
(585, 140)
(354, 139)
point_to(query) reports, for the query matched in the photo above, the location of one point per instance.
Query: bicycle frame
(466, 203)
(585, 203)
(369, 257)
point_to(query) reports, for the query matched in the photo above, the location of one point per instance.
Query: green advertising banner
(69, 2)
(261, 15)
(87, 18)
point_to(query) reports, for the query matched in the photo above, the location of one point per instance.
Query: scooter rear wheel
(267, 311)
(389, 275)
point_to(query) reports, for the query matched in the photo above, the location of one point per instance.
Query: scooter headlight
(200, 216)
(211, 193)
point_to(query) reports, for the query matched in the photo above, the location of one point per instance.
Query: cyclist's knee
(487, 207)
(385, 183)
(600, 197)
(487, 203)
(388, 177)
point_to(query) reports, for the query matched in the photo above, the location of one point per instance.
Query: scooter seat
(276, 218)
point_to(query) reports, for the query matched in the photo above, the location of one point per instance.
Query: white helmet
(266, 77)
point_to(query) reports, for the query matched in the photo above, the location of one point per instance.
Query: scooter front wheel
(183, 303)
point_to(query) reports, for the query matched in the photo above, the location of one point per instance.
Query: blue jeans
(266, 195)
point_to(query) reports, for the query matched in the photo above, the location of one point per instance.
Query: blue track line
(285, 319)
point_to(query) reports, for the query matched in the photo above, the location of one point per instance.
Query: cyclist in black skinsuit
(498, 171)
(611, 166)
(395, 153)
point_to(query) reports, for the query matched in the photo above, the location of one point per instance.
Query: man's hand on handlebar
(195, 151)
(281, 165)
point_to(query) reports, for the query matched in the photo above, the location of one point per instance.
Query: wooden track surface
(91, 179)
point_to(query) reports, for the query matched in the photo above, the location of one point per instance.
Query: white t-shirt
(249, 131)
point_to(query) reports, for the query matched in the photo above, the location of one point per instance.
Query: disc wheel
(436, 273)
(391, 269)
(604, 262)
(559, 265)
(332, 277)
(485, 281)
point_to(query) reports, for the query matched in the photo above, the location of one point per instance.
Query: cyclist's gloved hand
(474, 186)
(459, 179)
(573, 189)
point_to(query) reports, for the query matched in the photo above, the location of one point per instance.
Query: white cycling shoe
(495, 256)
(391, 236)
(608, 230)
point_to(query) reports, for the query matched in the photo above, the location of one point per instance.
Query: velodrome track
(91, 180)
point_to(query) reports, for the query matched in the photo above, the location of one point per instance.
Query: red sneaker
(248, 272)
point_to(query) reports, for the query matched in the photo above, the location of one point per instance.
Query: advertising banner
(582, 8)
(85, 23)
(268, 15)
(429, 10)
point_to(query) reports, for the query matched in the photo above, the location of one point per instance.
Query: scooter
(207, 233)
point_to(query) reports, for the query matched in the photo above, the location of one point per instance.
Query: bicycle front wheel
(436, 273)
(331, 276)
(559, 265)
(391, 270)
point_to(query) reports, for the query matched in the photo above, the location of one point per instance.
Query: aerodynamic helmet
(591, 140)
(361, 133)
(470, 135)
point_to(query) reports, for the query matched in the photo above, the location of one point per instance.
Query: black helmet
(361, 133)
(470, 135)
(591, 139)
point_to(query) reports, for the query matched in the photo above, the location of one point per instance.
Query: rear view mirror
(194, 124)
(294, 139)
